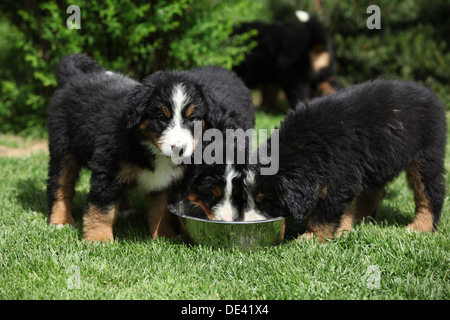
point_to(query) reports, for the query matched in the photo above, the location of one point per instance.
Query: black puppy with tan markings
(296, 56)
(129, 134)
(348, 146)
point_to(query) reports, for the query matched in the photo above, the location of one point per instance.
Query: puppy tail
(76, 64)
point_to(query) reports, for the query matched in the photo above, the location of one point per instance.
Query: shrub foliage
(138, 37)
(412, 44)
(134, 37)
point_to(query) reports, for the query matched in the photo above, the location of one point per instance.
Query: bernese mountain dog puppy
(348, 146)
(214, 185)
(129, 134)
(296, 56)
(216, 192)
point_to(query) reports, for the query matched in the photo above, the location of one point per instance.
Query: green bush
(139, 37)
(134, 37)
(412, 44)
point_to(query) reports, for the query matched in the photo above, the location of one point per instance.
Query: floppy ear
(190, 174)
(292, 204)
(211, 104)
(136, 102)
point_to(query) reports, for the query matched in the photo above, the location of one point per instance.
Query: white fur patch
(251, 213)
(164, 174)
(179, 100)
(60, 226)
(303, 16)
(249, 179)
(225, 210)
(175, 135)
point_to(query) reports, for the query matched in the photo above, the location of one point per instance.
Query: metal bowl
(246, 235)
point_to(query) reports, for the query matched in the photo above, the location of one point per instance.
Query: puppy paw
(306, 236)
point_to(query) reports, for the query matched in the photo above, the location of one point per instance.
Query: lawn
(379, 260)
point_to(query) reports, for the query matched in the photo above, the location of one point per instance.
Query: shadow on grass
(32, 196)
(386, 215)
(389, 216)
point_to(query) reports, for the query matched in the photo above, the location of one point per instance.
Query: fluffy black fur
(208, 192)
(283, 56)
(112, 124)
(350, 145)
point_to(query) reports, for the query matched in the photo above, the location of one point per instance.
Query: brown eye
(244, 195)
(259, 197)
(217, 192)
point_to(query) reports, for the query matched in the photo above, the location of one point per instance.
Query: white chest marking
(164, 174)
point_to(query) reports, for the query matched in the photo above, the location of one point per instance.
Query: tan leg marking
(346, 222)
(98, 224)
(326, 88)
(319, 58)
(423, 219)
(161, 222)
(320, 232)
(62, 207)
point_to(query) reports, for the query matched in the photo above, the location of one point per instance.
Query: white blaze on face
(225, 210)
(176, 141)
(251, 213)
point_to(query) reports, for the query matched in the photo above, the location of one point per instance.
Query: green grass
(41, 262)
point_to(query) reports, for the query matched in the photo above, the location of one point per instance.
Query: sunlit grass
(379, 260)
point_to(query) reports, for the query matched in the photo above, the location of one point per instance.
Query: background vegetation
(412, 44)
(134, 37)
(139, 37)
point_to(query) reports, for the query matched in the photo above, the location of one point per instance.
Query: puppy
(214, 187)
(216, 191)
(129, 134)
(298, 57)
(347, 147)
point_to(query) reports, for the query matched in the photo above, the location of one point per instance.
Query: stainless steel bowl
(246, 235)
